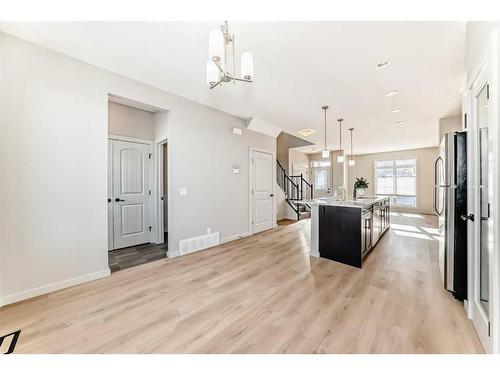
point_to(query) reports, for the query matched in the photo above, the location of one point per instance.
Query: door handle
(109, 200)
(271, 195)
(467, 217)
(119, 200)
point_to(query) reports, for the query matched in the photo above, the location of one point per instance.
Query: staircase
(296, 190)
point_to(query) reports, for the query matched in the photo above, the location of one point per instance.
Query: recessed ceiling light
(306, 132)
(397, 110)
(382, 64)
(391, 93)
(400, 122)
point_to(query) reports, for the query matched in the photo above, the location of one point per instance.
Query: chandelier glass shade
(221, 64)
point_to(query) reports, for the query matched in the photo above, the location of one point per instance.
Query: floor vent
(198, 243)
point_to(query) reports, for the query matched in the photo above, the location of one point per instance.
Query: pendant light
(325, 153)
(352, 162)
(340, 158)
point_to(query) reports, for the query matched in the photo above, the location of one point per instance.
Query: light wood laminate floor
(261, 294)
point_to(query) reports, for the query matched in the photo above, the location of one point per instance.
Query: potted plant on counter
(359, 186)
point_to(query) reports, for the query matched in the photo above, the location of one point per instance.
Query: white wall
(298, 158)
(54, 132)
(425, 174)
(449, 124)
(131, 122)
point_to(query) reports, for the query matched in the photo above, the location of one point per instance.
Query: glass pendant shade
(352, 162)
(325, 154)
(340, 159)
(212, 73)
(216, 45)
(246, 65)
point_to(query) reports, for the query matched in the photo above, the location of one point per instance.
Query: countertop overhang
(359, 202)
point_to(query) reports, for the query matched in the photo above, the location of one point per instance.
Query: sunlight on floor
(408, 228)
(412, 215)
(412, 234)
(415, 231)
(431, 230)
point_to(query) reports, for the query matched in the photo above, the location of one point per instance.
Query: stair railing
(296, 188)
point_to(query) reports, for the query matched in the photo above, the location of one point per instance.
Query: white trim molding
(35, 292)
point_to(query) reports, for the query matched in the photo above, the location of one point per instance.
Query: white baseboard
(53, 287)
(234, 238)
(173, 254)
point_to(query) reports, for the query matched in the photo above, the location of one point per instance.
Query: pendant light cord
(325, 128)
(351, 140)
(340, 132)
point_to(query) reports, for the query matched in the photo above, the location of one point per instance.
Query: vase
(360, 192)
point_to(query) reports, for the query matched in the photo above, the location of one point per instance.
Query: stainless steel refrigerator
(450, 203)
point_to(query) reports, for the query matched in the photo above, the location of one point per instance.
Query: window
(398, 179)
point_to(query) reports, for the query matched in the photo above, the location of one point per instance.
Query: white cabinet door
(262, 201)
(131, 194)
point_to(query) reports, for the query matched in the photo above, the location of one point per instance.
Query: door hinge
(489, 329)
(488, 91)
(149, 192)
(150, 228)
(150, 155)
(465, 120)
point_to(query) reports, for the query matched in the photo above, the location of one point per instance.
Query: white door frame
(250, 195)
(159, 232)
(150, 144)
(487, 71)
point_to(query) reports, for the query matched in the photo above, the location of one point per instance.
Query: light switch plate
(184, 192)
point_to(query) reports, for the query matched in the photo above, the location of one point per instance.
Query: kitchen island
(346, 230)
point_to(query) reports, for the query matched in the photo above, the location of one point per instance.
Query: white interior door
(262, 191)
(483, 180)
(131, 194)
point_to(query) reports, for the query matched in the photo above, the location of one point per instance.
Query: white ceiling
(299, 66)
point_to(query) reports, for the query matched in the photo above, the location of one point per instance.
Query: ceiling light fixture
(325, 153)
(306, 132)
(220, 46)
(397, 110)
(383, 64)
(400, 122)
(352, 162)
(391, 93)
(340, 158)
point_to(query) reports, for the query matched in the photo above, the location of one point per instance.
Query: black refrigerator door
(460, 258)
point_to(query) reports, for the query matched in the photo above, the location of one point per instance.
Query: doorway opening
(136, 225)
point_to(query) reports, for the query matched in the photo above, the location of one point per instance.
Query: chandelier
(221, 64)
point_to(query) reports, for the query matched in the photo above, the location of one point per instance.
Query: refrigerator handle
(436, 186)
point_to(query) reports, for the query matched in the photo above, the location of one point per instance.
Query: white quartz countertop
(360, 202)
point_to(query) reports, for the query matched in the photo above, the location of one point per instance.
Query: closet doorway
(134, 225)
